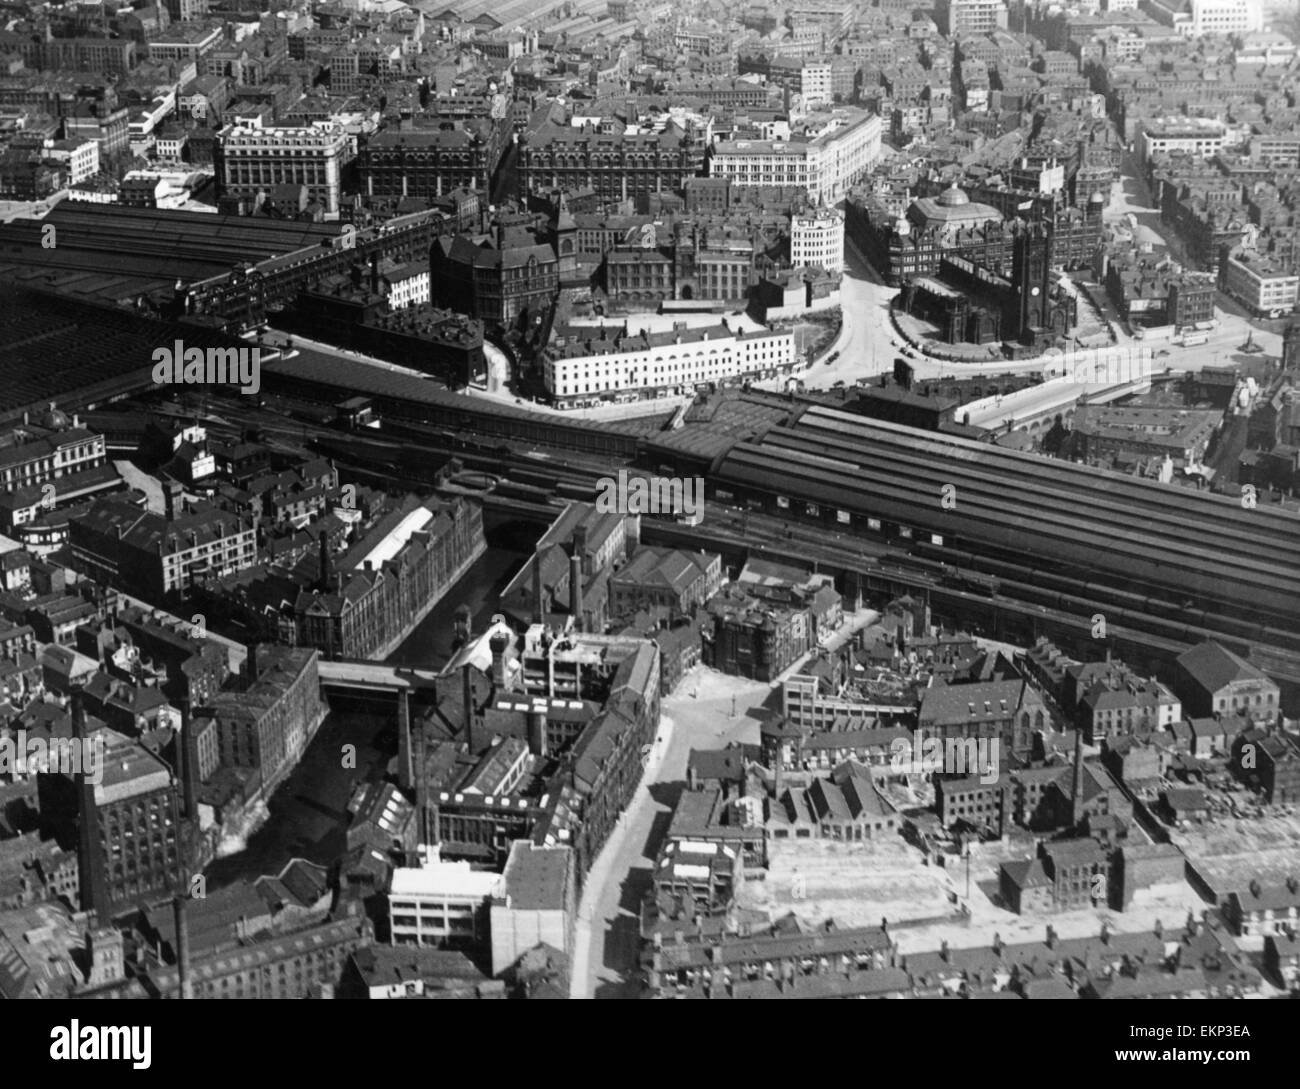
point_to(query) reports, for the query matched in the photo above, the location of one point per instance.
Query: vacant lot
(856, 884)
(1231, 853)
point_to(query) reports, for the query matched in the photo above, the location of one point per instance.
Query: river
(308, 812)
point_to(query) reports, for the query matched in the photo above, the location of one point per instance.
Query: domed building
(54, 419)
(951, 208)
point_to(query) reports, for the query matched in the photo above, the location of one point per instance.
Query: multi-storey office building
(441, 903)
(616, 166)
(825, 160)
(99, 55)
(179, 44)
(817, 238)
(1196, 136)
(1221, 17)
(251, 159)
(120, 545)
(955, 17)
(1260, 284)
(425, 163)
(129, 846)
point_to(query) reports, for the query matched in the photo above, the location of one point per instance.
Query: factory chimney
(90, 856)
(187, 754)
(1077, 810)
(539, 612)
(324, 579)
(499, 644)
(467, 695)
(575, 590)
(405, 757)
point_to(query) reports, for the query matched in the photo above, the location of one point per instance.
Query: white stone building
(817, 239)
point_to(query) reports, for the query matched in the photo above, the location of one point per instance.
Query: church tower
(1030, 270)
(1291, 346)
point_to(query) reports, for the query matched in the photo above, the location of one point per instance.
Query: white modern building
(612, 360)
(1197, 136)
(440, 903)
(185, 41)
(80, 155)
(815, 85)
(970, 16)
(817, 238)
(253, 159)
(1223, 17)
(1259, 283)
(826, 158)
(1276, 148)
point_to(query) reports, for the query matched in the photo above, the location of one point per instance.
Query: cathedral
(970, 302)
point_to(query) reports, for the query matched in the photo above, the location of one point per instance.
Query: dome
(901, 227)
(1098, 197)
(952, 197)
(54, 419)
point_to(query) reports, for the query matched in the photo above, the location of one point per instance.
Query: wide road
(607, 935)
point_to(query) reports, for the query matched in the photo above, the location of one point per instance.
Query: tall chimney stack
(580, 548)
(467, 694)
(575, 590)
(182, 945)
(421, 784)
(539, 611)
(187, 753)
(499, 644)
(90, 856)
(1077, 810)
(405, 757)
(324, 543)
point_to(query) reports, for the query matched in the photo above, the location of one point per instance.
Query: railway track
(535, 483)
